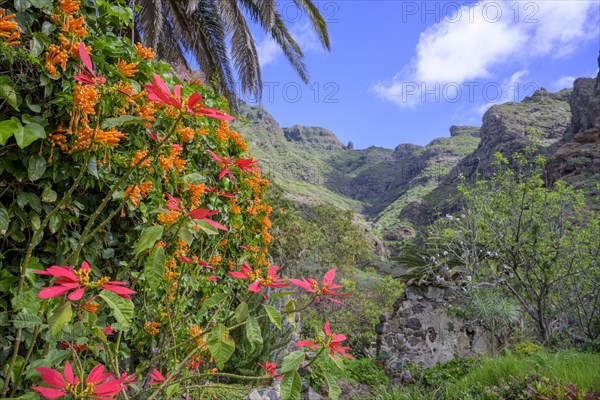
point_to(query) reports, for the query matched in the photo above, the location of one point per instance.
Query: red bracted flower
(327, 287)
(78, 281)
(86, 73)
(224, 163)
(98, 384)
(173, 203)
(159, 91)
(203, 214)
(157, 377)
(219, 192)
(270, 369)
(195, 260)
(332, 341)
(194, 107)
(246, 164)
(258, 280)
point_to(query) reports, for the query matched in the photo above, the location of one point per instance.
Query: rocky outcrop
(577, 160)
(314, 137)
(423, 330)
(464, 130)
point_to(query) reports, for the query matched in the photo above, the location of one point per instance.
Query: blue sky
(404, 71)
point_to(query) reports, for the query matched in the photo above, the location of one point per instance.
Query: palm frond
(243, 48)
(315, 17)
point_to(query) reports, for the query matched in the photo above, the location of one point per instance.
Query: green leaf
(214, 300)
(36, 168)
(148, 238)
(154, 268)
(220, 345)
(290, 312)
(60, 317)
(8, 93)
(41, 4)
(339, 362)
(291, 386)
(26, 321)
(122, 309)
(29, 134)
(122, 120)
(253, 332)
(274, 315)
(187, 235)
(48, 195)
(292, 362)
(332, 386)
(241, 312)
(55, 222)
(207, 228)
(38, 43)
(4, 221)
(8, 128)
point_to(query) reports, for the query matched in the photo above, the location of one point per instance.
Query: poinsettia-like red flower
(219, 192)
(332, 341)
(195, 260)
(245, 164)
(159, 92)
(203, 214)
(157, 377)
(327, 287)
(173, 203)
(86, 73)
(195, 107)
(270, 369)
(98, 384)
(78, 281)
(257, 280)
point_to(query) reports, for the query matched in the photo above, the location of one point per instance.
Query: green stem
(33, 242)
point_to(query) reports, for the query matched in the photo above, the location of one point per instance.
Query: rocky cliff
(398, 190)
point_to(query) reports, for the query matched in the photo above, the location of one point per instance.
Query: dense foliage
(520, 247)
(133, 228)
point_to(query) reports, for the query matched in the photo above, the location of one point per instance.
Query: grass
(564, 367)
(462, 379)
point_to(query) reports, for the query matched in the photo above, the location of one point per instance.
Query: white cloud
(565, 82)
(303, 33)
(477, 40)
(268, 50)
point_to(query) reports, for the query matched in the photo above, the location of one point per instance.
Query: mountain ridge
(398, 190)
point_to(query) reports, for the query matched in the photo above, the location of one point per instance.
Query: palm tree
(202, 29)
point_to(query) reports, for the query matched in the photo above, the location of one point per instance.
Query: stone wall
(421, 330)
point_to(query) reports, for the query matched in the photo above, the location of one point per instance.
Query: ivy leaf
(8, 93)
(148, 238)
(36, 168)
(122, 309)
(291, 386)
(26, 321)
(49, 195)
(292, 362)
(154, 268)
(4, 221)
(55, 223)
(253, 333)
(274, 315)
(332, 387)
(220, 345)
(8, 127)
(60, 317)
(25, 135)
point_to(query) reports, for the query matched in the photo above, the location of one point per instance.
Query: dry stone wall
(422, 330)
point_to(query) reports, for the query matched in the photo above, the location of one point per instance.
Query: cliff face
(577, 158)
(398, 190)
(313, 137)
